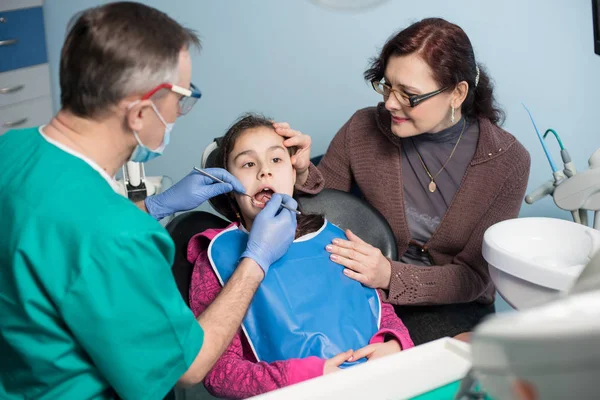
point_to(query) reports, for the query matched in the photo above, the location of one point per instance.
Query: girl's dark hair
(447, 50)
(225, 204)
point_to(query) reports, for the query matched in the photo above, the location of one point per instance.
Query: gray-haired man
(88, 303)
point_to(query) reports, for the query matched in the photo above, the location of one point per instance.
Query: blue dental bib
(305, 306)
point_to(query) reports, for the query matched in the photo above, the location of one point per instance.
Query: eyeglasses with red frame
(188, 96)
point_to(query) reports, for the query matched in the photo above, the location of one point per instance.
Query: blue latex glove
(192, 191)
(272, 232)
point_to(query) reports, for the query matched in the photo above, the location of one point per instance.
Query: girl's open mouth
(262, 197)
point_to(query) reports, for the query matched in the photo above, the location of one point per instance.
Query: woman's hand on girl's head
(302, 143)
(333, 364)
(364, 263)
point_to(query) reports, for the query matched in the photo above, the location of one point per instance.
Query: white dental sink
(532, 260)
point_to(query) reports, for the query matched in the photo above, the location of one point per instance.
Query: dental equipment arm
(542, 191)
(559, 177)
(134, 180)
(136, 186)
(569, 171)
(582, 191)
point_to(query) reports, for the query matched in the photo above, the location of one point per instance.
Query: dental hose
(579, 216)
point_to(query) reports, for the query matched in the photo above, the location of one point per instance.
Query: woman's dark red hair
(446, 48)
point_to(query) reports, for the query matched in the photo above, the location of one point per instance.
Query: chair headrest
(209, 153)
(349, 212)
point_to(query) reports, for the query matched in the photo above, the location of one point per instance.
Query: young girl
(291, 326)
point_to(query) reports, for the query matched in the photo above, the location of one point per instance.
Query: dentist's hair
(225, 204)
(117, 50)
(446, 48)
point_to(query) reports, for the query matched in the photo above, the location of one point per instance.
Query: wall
(303, 64)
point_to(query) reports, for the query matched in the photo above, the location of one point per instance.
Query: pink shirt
(237, 374)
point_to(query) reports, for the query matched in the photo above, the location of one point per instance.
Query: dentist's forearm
(223, 317)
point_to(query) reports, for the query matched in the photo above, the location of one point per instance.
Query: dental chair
(342, 209)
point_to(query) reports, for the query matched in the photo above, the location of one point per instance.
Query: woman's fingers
(348, 258)
(281, 125)
(360, 278)
(349, 263)
(300, 140)
(345, 248)
(354, 238)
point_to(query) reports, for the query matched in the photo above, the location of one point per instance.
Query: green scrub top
(89, 308)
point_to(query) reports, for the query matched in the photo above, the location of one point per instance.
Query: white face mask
(143, 153)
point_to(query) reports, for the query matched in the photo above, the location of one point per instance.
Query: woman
(434, 161)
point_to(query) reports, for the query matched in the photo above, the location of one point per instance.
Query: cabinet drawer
(24, 84)
(22, 39)
(26, 114)
(6, 5)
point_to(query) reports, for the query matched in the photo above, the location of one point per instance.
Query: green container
(446, 392)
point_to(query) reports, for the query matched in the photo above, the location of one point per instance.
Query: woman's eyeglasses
(402, 97)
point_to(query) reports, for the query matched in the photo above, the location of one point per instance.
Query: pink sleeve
(391, 325)
(237, 374)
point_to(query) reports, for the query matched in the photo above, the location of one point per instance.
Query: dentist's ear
(134, 112)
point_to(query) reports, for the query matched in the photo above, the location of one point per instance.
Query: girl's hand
(333, 364)
(378, 350)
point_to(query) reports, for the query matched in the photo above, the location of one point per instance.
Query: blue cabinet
(24, 75)
(22, 39)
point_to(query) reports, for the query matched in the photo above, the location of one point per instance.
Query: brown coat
(367, 153)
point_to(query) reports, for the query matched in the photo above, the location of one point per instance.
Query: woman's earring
(452, 115)
(237, 215)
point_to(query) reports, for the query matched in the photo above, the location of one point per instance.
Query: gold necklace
(432, 185)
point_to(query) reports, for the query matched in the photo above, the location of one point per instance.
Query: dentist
(89, 306)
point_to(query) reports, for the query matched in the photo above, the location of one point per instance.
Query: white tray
(400, 376)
